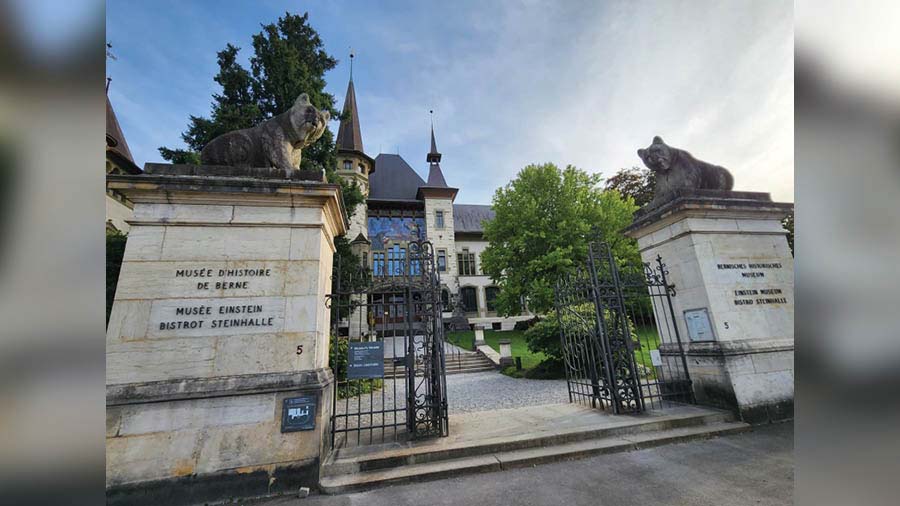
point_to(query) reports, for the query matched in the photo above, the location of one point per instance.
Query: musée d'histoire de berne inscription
(755, 272)
(219, 314)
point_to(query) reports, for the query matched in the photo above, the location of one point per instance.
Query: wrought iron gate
(620, 340)
(395, 306)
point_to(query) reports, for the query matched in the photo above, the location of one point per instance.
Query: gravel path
(486, 391)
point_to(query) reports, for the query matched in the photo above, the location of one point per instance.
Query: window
(439, 219)
(445, 300)
(490, 294)
(469, 299)
(442, 260)
(362, 168)
(348, 165)
(466, 262)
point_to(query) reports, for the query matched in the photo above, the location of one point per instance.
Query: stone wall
(218, 317)
(442, 238)
(727, 255)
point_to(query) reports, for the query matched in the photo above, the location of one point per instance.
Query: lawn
(649, 339)
(466, 339)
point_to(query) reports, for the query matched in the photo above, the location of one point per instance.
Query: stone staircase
(454, 364)
(529, 438)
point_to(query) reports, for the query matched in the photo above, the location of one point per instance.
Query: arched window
(490, 294)
(469, 299)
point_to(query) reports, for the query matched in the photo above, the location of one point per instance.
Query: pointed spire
(435, 175)
(349, 136)
(433, 155)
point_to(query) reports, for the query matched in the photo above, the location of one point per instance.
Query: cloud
(513, 83)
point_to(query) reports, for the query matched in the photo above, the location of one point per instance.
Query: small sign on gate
(655, 358)
(365, 360)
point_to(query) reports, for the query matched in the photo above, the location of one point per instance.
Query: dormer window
(348, 165)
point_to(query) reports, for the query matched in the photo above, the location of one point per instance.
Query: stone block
(159, 280)
(264, 353)
(278, 215)
(306, 243)
(194, 213)
(128, 320)
(302, 313)
(216, 316)
(150, 456)
(773, 362)
(226, 243)
(207, 413)
(141, 361)
(144, 243)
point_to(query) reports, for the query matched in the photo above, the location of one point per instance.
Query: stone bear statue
(277, 142)
(676, 169)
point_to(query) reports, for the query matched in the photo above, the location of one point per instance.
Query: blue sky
(511, 83)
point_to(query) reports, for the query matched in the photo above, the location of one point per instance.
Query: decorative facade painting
(387, 231)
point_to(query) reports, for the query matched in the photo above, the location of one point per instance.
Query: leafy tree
(544, 219)
(788, 224)
(288, 59)
(635, 182)
(115, 249)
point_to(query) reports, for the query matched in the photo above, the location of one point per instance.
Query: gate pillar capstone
(727, 255)
(219, 323)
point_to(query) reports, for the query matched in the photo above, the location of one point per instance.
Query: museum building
(401, 207)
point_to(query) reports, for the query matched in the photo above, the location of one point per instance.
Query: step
(375, 458)
(454, 370)
(523, 458)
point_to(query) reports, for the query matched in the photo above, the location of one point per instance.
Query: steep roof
(469, 217)
(349, 136)
(116, 146)
(115, 139)
(393, 179)
(436, 177)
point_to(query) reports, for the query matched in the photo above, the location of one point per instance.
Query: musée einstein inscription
(754, 296)
(218, 323)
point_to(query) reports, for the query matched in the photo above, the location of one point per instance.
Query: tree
(288, 59)
(635, 182)
(788, 224)
(544, 219)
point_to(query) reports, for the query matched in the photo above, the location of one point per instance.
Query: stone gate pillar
(733, 272)
(217, 347)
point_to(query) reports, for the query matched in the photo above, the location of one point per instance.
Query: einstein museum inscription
(756, 283)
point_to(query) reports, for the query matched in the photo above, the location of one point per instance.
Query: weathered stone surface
(277, 142)
(726, 253)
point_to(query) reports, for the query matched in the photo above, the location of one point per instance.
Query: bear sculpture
(277, 142)
(676, 169)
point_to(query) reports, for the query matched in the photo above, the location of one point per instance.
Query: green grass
(649, 339)
(466, 339)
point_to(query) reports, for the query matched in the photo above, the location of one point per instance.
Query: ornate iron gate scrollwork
(620, 341)
(396, 303)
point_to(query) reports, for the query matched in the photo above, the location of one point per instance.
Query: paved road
(755, 468)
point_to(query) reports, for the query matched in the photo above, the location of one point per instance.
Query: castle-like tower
(353, 164)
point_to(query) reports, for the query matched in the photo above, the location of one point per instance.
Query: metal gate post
(600, 342)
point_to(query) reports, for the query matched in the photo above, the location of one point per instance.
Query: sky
(511, 83)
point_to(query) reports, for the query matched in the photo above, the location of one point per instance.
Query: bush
(544, 336)
(523, 325)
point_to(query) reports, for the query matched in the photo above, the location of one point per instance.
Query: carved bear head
(658, 156)
(308, 123)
